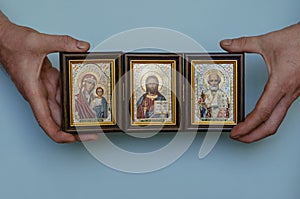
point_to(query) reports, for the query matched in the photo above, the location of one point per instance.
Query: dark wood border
(64, 68)
(153, 57)
(122, 66)
(189, 57)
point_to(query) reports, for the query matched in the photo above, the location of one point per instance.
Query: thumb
(64, 43)
(242, 44)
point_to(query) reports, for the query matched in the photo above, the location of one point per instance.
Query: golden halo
(151, 73)
(102, 86)
(81, 75)
(213, 71)
(86, 69)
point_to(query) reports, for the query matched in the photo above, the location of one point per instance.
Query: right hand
(281, 52)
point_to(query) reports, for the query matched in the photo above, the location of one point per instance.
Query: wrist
(297, 25)
(3, 22)
(2, 17)
(4, 26)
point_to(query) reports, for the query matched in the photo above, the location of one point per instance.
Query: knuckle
(289, 84)
(242, 41)
(55, 136)
(275, 83)
(271, 132)
(265, 114)
(295, 86)
(66, 40)
(296, 94)
(271, 128)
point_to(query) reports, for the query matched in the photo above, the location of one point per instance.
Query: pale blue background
(32, 166)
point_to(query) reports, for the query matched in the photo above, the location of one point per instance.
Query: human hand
(23, 53)
(281, 52)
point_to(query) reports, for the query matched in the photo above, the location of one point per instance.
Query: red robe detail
(82, 108)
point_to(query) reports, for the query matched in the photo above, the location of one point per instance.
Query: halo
(102, 86)
(82, 74)
(85, 69)
(214, 71)
(151, 73)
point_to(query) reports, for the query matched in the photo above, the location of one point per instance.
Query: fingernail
(82, 45)
(234, 136)
(88, 137)
(227, 42)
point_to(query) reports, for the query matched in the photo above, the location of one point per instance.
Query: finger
(87, 137)
(58, 94)
(262, 111)
(242, 44)
(42, 113)
(271, 125)
(50, 78)
(64, 43)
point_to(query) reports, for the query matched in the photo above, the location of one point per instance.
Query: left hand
(23, 53)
